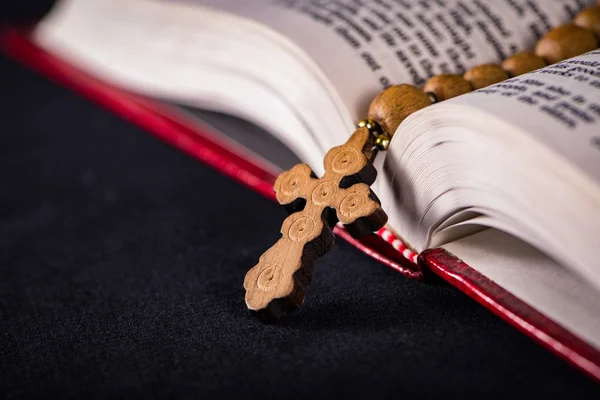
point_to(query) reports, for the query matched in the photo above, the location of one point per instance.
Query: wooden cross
(277, 283)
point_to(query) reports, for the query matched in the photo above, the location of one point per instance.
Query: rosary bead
(382, 142)
(370, 124)
(485, 75)
(564, 42)
(446, 86)
(589, 19)
(390, 107)
(522, 62)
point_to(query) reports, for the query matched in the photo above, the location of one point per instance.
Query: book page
(558, 105)
(363, 46)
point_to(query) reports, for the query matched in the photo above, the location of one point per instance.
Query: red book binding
(199, 142)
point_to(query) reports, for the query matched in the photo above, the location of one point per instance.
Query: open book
(507, 178)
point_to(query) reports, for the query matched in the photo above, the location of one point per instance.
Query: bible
(497, 191)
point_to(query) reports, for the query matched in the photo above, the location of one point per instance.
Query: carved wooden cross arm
(276, 285)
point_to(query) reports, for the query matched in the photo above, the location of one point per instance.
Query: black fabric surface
(24, 11)
(121, 269)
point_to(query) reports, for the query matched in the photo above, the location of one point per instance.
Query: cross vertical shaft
(276, 285)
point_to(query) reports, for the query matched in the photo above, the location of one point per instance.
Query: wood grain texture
(565, 41)
(589, 18)
(523, 62)
(485, 75)
(447, 86)
(390, 107)
(277, 284)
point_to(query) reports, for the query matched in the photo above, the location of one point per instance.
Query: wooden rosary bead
(390, 107)
(485, 75)
(446, 86)
(565, 41)
(523, 62)
(589, 19)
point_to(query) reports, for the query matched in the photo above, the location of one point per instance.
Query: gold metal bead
(370, 124)
(382, 142)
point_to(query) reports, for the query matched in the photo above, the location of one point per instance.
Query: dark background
(121, 269)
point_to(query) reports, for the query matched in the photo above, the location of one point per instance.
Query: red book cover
(186, 135)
